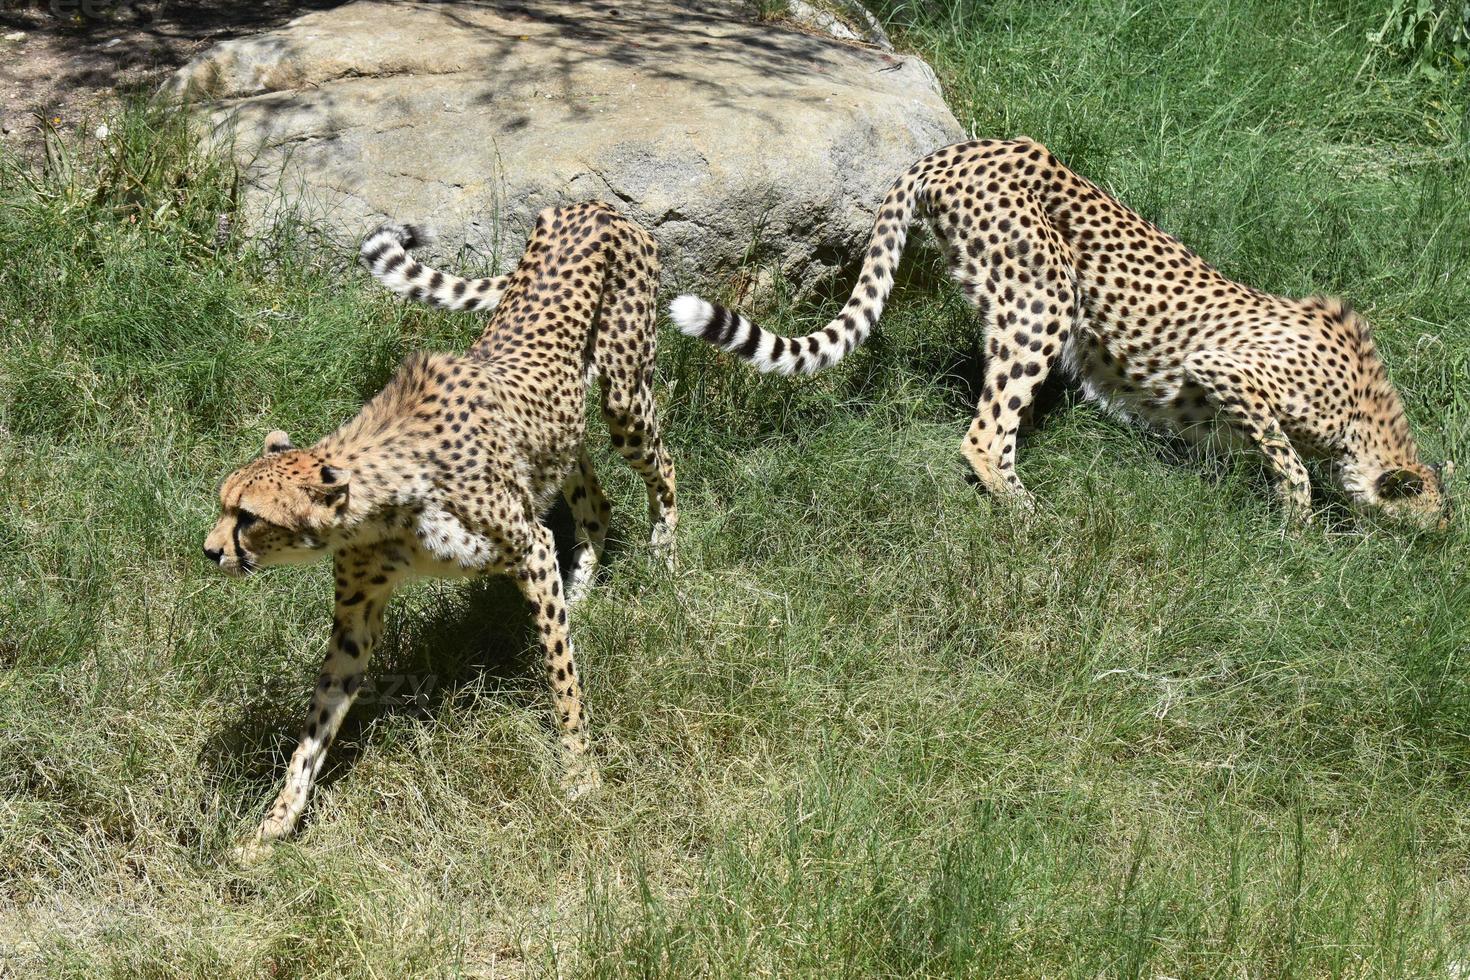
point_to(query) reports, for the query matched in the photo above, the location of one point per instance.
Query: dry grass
(873, 726)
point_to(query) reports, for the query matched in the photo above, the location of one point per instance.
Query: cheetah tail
(767, 351)
(385, 254)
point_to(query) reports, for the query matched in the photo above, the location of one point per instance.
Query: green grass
(874, 726)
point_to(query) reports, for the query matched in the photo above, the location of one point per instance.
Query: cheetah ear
(1400, 484)
(277, 441)
(331, 485)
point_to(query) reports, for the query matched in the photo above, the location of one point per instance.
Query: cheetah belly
(446, 547)
(1141, 392)
(1105, 377)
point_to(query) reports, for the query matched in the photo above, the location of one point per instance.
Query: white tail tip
(691, 314)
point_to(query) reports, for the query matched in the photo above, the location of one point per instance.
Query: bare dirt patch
(65, 61)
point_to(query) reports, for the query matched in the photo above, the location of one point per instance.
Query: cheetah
(1063, 273)
(448, 470)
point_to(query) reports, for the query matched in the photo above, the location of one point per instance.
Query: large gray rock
(728, 138)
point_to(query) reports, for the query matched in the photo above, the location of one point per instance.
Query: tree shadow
(556, 52)
(675, 42)
(75, 48)
(293, 108)
(162, 19)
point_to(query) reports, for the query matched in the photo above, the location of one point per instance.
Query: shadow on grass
(465, 639)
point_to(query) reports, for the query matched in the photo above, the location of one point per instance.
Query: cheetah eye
(245, 518)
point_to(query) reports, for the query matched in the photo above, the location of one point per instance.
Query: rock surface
(728, 139)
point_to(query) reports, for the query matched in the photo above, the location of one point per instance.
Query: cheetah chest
(446, 546)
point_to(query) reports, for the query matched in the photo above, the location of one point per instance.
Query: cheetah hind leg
(1233, 386)
(630, 417)
(591, 512)
(1024, 338)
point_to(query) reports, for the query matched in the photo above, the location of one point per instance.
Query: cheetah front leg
(591, 512)
(1236, 392)
(540, 581)
(363, 589)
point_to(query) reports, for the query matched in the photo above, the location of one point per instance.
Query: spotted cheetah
(447, 471)
(1064, 273)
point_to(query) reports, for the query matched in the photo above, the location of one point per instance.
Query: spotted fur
(448, 470)
(1064, 274)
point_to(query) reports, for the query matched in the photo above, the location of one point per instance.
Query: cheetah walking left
(448, 470)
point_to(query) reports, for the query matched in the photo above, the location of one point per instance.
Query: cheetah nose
(214, 554)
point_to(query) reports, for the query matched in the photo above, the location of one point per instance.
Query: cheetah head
(283, 508)
(1414, 495)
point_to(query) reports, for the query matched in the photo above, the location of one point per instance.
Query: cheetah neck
(371, 446)
(1378, 439)
(1360, 471)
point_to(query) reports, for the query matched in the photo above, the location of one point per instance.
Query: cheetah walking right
(1065, 274)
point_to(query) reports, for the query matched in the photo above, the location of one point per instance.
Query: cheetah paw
(1015, 500)
(665, 556)
(578, 585)
(260, 844)
(580, 781)
(252, 852)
